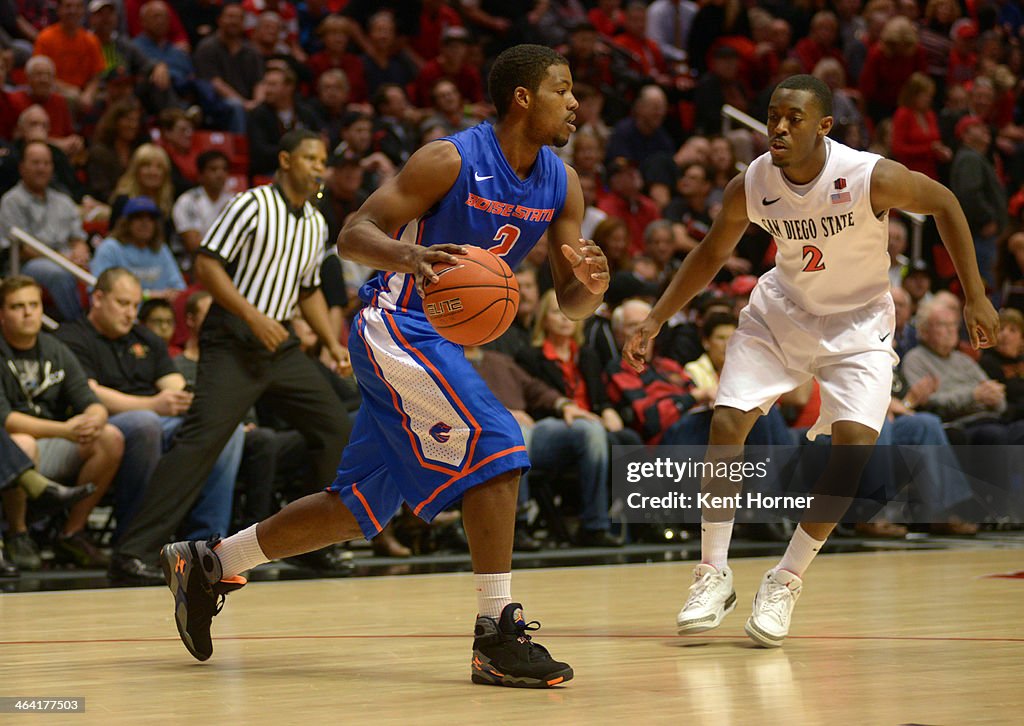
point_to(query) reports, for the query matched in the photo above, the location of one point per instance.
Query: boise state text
(808, 229)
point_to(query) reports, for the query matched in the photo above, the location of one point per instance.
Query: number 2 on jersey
(506, 237)
(814, 264)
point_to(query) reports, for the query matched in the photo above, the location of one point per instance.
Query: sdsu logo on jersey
(839, 196)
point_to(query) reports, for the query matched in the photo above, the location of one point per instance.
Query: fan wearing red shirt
(625, 201)
(451, 64)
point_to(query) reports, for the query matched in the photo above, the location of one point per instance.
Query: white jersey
(832, 249)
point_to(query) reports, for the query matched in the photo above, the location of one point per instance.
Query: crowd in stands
(126, 126)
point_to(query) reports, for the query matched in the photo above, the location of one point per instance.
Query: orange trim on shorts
(404, 416)
(444, 381)
(410, 280)
(366, 506)
(467, 472)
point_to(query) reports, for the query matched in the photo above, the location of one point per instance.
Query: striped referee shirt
(270, 249)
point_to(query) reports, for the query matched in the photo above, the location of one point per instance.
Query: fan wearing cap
(137, 244)
(974, 180)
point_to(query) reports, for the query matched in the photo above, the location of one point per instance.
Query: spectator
(889, 65)
(288, 32)
(658, 263)
(653, 401)
(965, 396)
(452, 64)
(178, 138)
(75, 53)
(357, 141)
(592, 216)
(131, 372)
(558, 358)
(34, 125)
(905, 336)
(158, 315)
(719, 19)
(149, 78)
(331, 103)
(668, 25)
(136, 16)
(448, 109)
(231, 65)
(1010, 270)
(148, 174)
(334, 33)
(42, 90)
(118, 132)
(917, 282)
(822, 42)
(384, 61)
(137, 244)
(195, 211)
(607, 17)
(1005, 362)
(435, 18)
(848, 122)
(645, 56)
(40, 384)
(898, 262)
(588, 157)
(279, 113)
(976, 184)
(721, 84)
(343, 194)
(916, 142)
(589, 119)
(624, 200)
(559, 436)
(642, 135)
(156, 42)
(395, 131)
(691, 207)
(514, 341)
(52, 218)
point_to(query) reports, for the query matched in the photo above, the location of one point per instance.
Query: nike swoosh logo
(883, 337)
(476, 175)
(767, 203)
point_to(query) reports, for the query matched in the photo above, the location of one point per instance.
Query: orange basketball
(475, 300)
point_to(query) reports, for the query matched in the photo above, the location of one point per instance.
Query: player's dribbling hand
(424, 259)
(635, 350)
(982, 322)
(589, 265)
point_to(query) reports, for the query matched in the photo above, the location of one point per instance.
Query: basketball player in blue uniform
(824, 311)
(429, 432)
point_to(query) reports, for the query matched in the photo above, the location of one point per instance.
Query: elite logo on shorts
(440, 432)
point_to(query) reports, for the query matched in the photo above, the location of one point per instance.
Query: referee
(260, 259)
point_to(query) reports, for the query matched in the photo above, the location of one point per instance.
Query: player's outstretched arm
(367, 237)
(578, 266)
(697, 271)
(895, 186)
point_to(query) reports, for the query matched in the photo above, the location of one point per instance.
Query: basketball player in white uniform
(825, 312)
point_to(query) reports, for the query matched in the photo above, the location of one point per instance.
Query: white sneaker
(712, 597)
(768, 624)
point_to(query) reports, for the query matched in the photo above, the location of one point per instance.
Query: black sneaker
(79, 550)
(193, 572)
(504, 655)
(57, 496)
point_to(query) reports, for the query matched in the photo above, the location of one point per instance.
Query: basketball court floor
(918, 636)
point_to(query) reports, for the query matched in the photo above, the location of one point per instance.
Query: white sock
(240, 552)
(714, 543)
(802, 549)
(493, 593)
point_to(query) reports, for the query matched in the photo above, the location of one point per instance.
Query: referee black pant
(235, 370)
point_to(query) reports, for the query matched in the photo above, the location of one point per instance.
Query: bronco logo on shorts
(439, 432)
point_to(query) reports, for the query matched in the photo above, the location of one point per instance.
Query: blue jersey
(488, 206)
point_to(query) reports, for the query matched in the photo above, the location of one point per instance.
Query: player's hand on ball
(589, 265)
(635, 350)
(425, 258)
(982, 322)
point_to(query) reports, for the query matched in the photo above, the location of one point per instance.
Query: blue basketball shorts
(428, 428)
